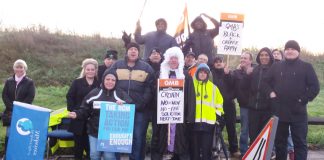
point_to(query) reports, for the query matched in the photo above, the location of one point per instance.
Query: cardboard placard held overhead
(230, 33)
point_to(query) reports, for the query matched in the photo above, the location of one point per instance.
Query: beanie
(156, 49)
(132, 44)
(292, 44)
(111, 54)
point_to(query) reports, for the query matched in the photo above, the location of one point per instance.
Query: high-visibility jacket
(209, 102)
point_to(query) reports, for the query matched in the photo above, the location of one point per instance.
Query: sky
(268, 23)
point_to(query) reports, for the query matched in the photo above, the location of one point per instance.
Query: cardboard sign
(230, 33)
(170, 102)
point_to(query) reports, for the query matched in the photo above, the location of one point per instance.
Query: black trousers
(230, 123)
(81, 143)
(257, 122)
(201, 144)
(299, 134)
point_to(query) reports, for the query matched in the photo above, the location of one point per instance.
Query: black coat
(25, 92)
(224, 82)
(87, 112)
(241, 87)
(295, 83)
(101, 71)
(78, 90)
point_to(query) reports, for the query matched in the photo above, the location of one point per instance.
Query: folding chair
(59, 132)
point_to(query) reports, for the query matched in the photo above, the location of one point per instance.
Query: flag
(28, 132)
(183, 29)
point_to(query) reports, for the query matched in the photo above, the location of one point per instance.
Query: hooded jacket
(202, 40)
(258, 98)
(87, 112)
(24, 92)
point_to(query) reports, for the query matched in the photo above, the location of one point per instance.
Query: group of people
(279, 84)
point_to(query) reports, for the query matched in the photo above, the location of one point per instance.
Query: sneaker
(236, 154)
(273, 156)
(291, 155)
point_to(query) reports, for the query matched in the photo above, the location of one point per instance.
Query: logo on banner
(24, 126)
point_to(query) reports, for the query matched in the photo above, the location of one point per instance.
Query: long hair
(85, 63)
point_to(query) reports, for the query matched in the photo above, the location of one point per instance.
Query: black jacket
(101, 71)
(78, 90)
(295, 83)
(224, 82)
(241, 87)
(25, 92)
(87, 112)
(135, 81)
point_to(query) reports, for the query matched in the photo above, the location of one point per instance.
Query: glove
(126, 38)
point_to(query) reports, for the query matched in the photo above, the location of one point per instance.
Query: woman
(106, 92)
(79, 89)
(209, 106)
(17, 88)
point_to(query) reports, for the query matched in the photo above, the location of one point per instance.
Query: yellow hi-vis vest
(209, 102)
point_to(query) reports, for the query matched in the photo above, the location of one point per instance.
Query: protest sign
(28, 132)
(116, 125)
(170, 104)
(230, 34)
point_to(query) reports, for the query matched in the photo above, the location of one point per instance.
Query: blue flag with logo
(116, 125)
(28, 132)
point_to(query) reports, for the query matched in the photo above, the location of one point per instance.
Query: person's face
(245, 60)
(19, 70)
(189, 60)
(291, 53)
(110, 81)
(198, 25)
(155, 57)
(264, 58)
(132, 54)
(160, 26)
(109, 61)
(219, 64)
(202, 59)
(202, 75)
(90, 71)
(277, 55)
(174, 62)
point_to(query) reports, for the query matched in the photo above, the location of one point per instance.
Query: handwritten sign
(170, 104)
(116, 125)
(230, 33)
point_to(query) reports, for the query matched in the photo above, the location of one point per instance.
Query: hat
(191, 54)
(132, 44)
(161, 20)
(155, 49)
(111, 54)
(292, 44)
(202, 67)
(218, 58)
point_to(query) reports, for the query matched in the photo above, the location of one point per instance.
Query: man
(136, 77)
(242, 95)
(201, 40)
(190, 63)
(291, 84)
(202, 58)
(158, 38)
(223, 79)
(109, 59)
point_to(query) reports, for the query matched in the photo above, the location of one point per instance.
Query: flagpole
(142, 10)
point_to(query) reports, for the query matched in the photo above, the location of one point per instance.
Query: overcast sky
(267, 23)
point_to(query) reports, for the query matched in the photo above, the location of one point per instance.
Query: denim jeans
(290, 146)
(141, 122)
(244, 136)
(95, 154)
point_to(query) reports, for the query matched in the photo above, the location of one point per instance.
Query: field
(54, 60)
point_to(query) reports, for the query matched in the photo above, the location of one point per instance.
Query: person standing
(222, 78)
(209, 107)
(201, 40)
(291, 84)
(158, 38)
(109, 59)
(136, 78)
(242, 96)
(106, 92)
(80, 87)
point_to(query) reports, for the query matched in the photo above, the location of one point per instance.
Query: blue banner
(28, 132)
(116, 125)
